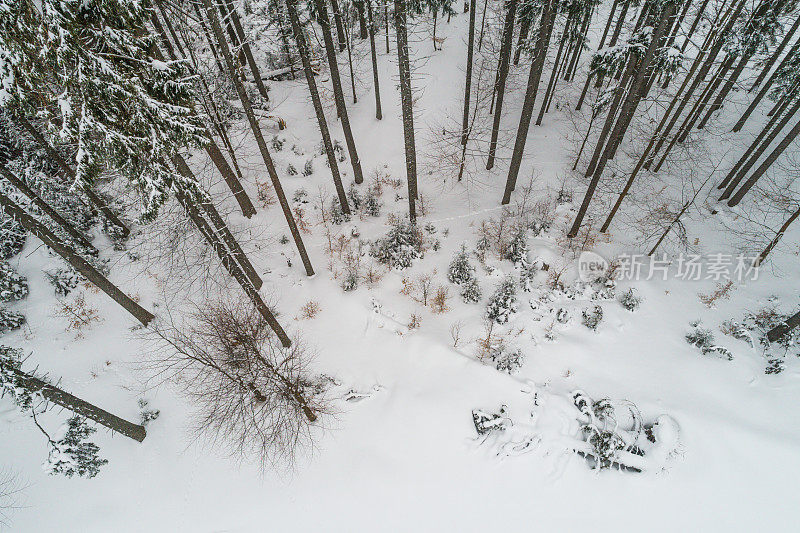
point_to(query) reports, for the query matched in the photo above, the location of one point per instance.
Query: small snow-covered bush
(371, 206)
(350, 280)
(471, 291)
(300, 196)
(460, 270)
(487, 422)
(704, 339)
(356, 201)
(338, 216)
(73, 454)
(402, 244)
(12, 238)
(277, 144)
(64, 280)
(10, 320)
(308, 168)
(506, 359)
(592, 316)
(12, 285)
(147, 415)
(630, 300)
(291, 170)
(517, 250)
(503, 302)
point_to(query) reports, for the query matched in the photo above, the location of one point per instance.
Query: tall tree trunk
(483, 24)
(502, 74)
(524, 29)
(628, 109)
(762, 141)
(775, 154)
(233, 268)
(774, 242)
(362, 20)
(222, 6)
(69, 174)
(49, 211)
(782, 329)
(231, 180)
(374, 54)
(248, 52)
(337, 17)
(407, 104)
(386, 22)
(693, 27)
(302, 48)
(653, 138)
(209, 39)
(338, 94)
(80, 407)
(256, 129)
(220, 227)
(776, 54)
(599, 47)
(766, 87)
(554, 74)
(75, 260)
(468, 77)
(718, 39)
(546, 20)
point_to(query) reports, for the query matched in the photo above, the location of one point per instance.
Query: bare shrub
(310, 309)
(251, 394)
(439, 301)
(722, 292)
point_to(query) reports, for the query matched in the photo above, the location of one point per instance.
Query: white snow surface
(405, 456)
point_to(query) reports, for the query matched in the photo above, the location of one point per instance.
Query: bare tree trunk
(337, 17)
(209, 39)
(524, 29)
(468, 78)
(248, 52)
(718, 39)
(782, 329)
(775, 154)
(80, 407)
(75, 260)
(374, 53)
(483, 24)
(757, 147)
(502, 74)
(231, 180)
(302, 48)
(554, 74)
(220, 227)
(628, 109)
(693, 27)
(546, 20)
(763, 255)
(766, 87)
(69, 174)
(262, 145)
(233, 268)
(407, 104)
(644, 157)
(222, 6)
(49, 211)
(386, 22)
(776, 54)
(338, 94)
(362, 20)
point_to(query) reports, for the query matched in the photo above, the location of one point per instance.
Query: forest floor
(402, 454)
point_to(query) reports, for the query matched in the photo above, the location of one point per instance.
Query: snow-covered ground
(403, 455)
